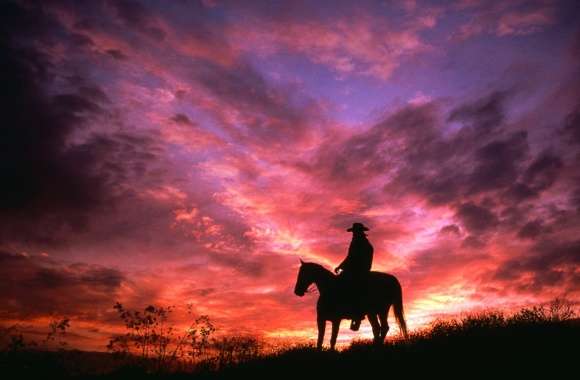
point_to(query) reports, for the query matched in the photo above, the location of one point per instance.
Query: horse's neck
(324, 280)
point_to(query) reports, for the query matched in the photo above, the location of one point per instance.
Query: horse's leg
(384, 323)
(335, 328)
(376, 327)
(321, 327)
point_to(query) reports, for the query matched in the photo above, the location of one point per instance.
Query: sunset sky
(174, 152)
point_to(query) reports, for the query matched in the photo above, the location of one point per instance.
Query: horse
(383, 290)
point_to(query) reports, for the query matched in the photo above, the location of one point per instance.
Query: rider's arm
(347, 259)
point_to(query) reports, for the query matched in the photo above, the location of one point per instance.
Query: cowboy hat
(357, 227)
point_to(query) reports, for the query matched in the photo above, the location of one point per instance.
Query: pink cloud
(506, 19)
(521, 23)
(361, 45)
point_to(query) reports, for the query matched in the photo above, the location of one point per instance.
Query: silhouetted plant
(150, 336)
(558, 310)
(483, 321)
(197, 338)
(236, 349)
(561, 309)
(57, 332)
(442, 327)
(12, 339)
(120, 345)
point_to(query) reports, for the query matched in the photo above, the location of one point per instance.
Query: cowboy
(355, 268)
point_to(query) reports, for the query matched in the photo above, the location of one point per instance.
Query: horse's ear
(301, 262)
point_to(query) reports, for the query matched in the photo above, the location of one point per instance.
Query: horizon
(173, 153)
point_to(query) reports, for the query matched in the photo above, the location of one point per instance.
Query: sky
(191, 152)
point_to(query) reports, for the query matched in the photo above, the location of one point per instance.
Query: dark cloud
(531, 230)
(476, 218)
(540, 175)
(484, 114)
(137, 16)
(81, 40)
(117, 54)
(405, 137)
(50, 185)
(542, 171)
(37, 286)
(248, 266)
(549, 263)
(575, 199)
(572, 126)
(271, 117)
(413, 149)
(39, 175)
(473, 242)
(182, 119)
(450, 229)
(93, 93)
(497, 163)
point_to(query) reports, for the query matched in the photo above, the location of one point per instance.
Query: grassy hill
(478, 346)
(527, 344)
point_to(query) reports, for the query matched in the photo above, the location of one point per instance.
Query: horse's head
(305, 278)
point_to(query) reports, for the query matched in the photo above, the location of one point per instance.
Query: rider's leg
(357, 303)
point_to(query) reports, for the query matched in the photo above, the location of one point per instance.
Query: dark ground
(484, 346)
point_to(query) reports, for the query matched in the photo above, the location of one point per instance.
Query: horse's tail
(399, 312)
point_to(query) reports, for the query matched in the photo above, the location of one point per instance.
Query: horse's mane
(328, 272)
(320, 268)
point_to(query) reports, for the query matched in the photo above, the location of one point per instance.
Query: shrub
(236, 349)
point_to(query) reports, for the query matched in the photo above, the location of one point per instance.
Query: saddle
(351, 295)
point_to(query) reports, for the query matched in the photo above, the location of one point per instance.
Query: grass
(475, 345)
(530, 343)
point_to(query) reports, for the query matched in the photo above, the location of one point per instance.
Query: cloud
(180, 118)
(497, 163)
(525, 22)
(440, 266)
(515, 18)
(551, 264)
(476, 218)
(360, 44)
(572, 126)
(39, 286)
(531, 230)
(410, 149)
(253, 111)
(484, 114)
(540, 175)
(367, 154)
(54, 179)
(117, 54)
(450, 229)
(40, 174)
(137, 16)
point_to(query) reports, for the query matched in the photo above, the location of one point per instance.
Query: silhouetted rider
(355, 268)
